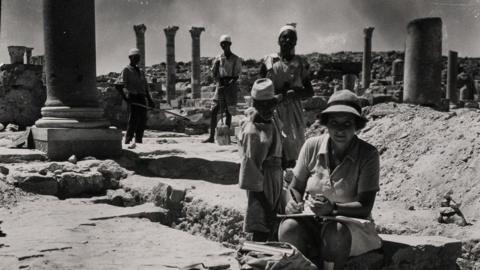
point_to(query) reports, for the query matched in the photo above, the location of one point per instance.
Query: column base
(61, 143)
(72, 117)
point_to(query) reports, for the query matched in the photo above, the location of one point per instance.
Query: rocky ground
(424, 154)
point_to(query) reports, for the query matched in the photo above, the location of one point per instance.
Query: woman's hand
(293, 207)
(320, 205)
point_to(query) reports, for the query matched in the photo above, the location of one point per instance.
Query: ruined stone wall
(22, 94)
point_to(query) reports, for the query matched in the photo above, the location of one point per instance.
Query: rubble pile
(65, 179)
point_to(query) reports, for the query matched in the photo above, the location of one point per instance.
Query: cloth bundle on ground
(272, 256)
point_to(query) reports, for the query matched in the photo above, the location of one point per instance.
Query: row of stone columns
(72, 120)
(421, 70)
(18, 53)
(170, 32)
(423, 65)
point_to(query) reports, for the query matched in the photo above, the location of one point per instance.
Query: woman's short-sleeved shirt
(358, 172)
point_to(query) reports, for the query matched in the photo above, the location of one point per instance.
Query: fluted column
(28, 52)
(170, 32)
(140, 40)
(196, 87)
(423, 62)
(452, 77)
(72, 121)
(367, 56)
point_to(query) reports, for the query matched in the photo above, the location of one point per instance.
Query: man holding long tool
(226, 70)
(136, 95)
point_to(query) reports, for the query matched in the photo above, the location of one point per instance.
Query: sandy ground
(424, 154)
(51, 234)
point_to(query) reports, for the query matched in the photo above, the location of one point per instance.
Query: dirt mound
(425, 154)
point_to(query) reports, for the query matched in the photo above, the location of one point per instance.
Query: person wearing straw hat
(132, 86)
(337, 178)
(260, 170)
(290, 76)
(226, 70)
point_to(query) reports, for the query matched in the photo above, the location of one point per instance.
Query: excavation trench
(173, 193)
(184, 212)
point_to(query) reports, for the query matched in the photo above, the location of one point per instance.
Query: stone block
(61, 143)
(177, 195)
(161, 193)
(420, 252)
(4, 170)
(73, 184)
(111, 170)
(34, 182)
(120, 197)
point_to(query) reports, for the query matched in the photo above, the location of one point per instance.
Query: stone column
(367, 56)
(28, 52)
(452, 77)
(423, 62)
(140, 39)
(16, 54)
(72, 121)
(349, 81)
(397, 71)
(196, 87)
(170, 32)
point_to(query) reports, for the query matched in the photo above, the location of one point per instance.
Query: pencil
(293, 195)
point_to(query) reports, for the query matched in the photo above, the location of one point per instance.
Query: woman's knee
(289, 227)
(336, 240)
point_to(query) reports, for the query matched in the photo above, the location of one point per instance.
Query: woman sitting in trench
(336, 174)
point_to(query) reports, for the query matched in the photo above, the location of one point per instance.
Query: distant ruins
(377, 76)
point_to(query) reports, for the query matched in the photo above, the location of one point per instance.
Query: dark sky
(323, 25)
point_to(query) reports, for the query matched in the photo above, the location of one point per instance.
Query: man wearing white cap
(133, 80)
(260, 170)
(226, 69)
(290, 76)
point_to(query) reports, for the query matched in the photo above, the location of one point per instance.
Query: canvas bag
(258, 260)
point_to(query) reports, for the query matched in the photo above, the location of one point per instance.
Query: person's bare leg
(336, 244)
(292, 232)
(213, 124)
